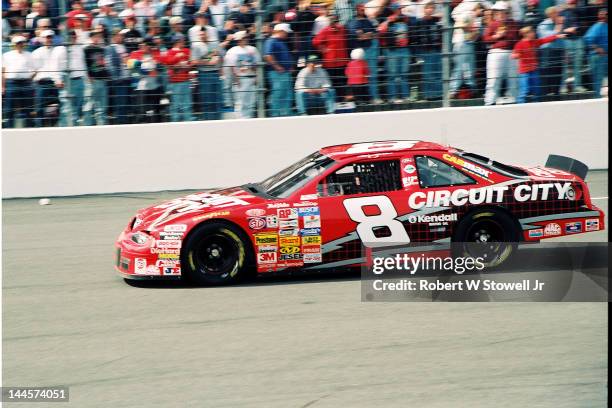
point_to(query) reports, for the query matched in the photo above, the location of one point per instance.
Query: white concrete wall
(72, 161)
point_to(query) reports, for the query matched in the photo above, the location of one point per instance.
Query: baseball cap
(127, 13)
(283, 27)
(175, 20)
(177, 37)
(239, 35)
(47, 33)
(312, 58)
(18, 38)
(500, 6)
(102, 3)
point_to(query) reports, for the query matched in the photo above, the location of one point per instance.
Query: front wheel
(489, 234)
(215, 254)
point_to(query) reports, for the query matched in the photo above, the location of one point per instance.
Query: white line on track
(599, 198)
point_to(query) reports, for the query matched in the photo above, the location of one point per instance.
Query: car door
(358, 201)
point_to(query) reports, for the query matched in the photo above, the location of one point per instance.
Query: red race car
(323, 210)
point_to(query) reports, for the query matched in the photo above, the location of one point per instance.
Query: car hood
(182, 209)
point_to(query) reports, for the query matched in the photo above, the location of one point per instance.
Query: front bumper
(147, 261)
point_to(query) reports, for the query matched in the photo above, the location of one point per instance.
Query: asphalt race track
(283, 342)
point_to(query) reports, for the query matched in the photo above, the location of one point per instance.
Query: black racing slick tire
(215, 253)
(488, 233)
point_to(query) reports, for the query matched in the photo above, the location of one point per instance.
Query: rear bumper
(565, 224)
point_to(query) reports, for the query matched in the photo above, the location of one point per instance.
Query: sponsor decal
(309, 197)
(152, 270)
(278, 205)
(170, 235)
(573, 227)
(272, 221)
(290, 257)
(410, 181)
(289, 241)
(310, 231)
(409, 169)
(487, 195)
(547, 173)
(168, 256)
(536, 233)
(213, 214)
(472, 168)
(311, 249)
(166, 263)
(308, 211)
(168, 243)
(312, 221)
(165, 251)
(257, 223)
(290, 250)
(263, 239)
(266, 258)
(309, 240)
(305, 204)
(255, 212)
(287, 213)
(137, 222)
(175, 228)
(591, 224)
(293, 232)
(552, 229)
(171, 271)
(288, 224)
(407, 160)
(312, 258)
(266, 248)
(432, 218)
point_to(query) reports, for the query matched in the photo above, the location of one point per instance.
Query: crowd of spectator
(146, 61)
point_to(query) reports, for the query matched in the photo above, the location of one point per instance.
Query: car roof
(363, 149)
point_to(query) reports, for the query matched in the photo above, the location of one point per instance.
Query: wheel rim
(486, 239)
(216, 255)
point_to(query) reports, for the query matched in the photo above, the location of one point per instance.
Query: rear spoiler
(563, 163)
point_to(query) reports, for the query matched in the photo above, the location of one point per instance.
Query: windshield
(294, 177)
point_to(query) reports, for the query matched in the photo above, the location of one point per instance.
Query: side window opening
(363, 178)
(435, 173)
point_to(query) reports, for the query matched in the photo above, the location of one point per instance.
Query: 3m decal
(266, 258)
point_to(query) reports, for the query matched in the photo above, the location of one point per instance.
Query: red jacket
(172, 58)
(507, 41)
(357, 72)
(526, 51)
(331, 41)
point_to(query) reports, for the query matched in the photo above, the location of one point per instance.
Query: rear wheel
(215, 254)
(490, 234)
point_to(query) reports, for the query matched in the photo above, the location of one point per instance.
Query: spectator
(97, 70)
(208, 58)
(313, 88)
(279, 66)
(37, 40)
(532, 17)
(332, 44)
(201, 23)
(302, 27)
(144, 10)
(241, 61)
(39, 11)
(120, 83)
(177, 60)
(46, 82)
(146, 63)
(80, 29)
(525, 51)
(176, 27)
(428, 36)
(345, 11)
(465, 33)
(357, 76)
(131, 36)
(77, 10)
(188, 12)
(107, 18)
(362, 34)
(321, 21)
(394, 32)
(574, 47)
(217, 11)
(501, 34)
(17, 72)
(70, 61)
(552, 54)
(596, 40)
(244, 17)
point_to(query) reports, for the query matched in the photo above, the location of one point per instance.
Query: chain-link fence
(114, 62)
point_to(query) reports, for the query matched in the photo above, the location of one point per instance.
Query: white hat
(239, 35)
(127, 13)
(47, 33)
(175, 20)
(102, 3)
(283, 27)
(500, 6)
(358, 54)
(18, 38)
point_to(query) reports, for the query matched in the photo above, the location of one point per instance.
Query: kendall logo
(432, 218)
